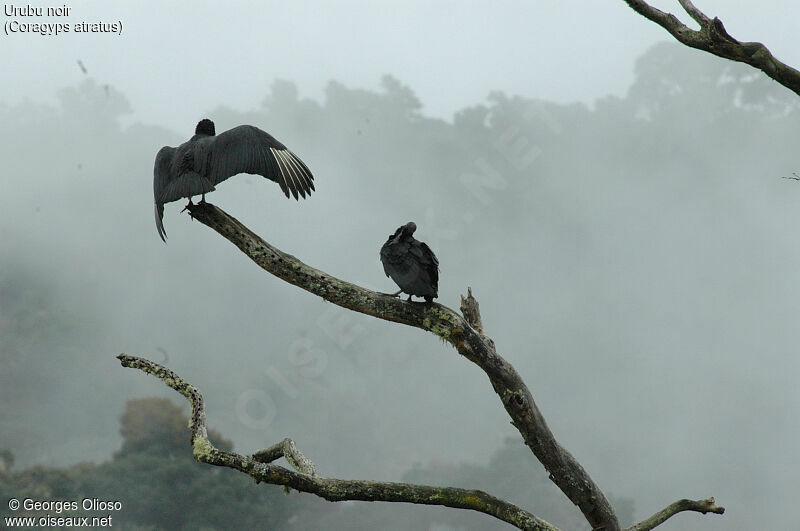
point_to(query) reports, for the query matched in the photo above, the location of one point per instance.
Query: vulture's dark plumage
(207, 159)
(411, 264)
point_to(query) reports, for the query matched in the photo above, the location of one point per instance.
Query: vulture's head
(408, 229)
(205, 127)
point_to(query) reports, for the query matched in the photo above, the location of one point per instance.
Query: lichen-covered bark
(564, 469)
(288, 450)
(466, 334)
(713, 38)
(259, 467)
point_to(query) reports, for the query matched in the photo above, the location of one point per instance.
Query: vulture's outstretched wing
(196, 166)
(248, 149)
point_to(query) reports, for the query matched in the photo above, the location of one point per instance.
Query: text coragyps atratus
(411, 264)
(207, 159)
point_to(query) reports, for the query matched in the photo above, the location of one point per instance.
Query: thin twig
(700, 506)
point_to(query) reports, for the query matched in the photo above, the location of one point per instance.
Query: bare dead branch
(700, 506)
(471, 311)
(713, 38)
(564, 470)
(259, 467)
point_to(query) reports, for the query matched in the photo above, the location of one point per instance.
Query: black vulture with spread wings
(207, 159)
(411, 264)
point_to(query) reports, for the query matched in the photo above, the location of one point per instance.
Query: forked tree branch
(713, 38)
(465, 333)
(565, 471)
(305, 479)
(287, 449)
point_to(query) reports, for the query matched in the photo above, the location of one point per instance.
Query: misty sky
(647, 295)
(177, 62)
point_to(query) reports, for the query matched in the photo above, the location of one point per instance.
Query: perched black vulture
(207, 159)
(411, 264)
